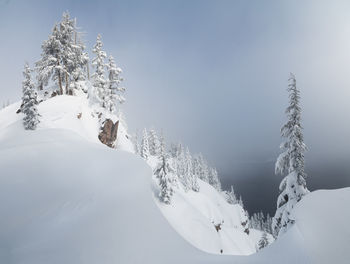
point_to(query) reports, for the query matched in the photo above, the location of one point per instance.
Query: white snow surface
(66, 198)
(195, 214)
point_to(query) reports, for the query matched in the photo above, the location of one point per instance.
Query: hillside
(193, 215)
(67, 198)
(209, 223)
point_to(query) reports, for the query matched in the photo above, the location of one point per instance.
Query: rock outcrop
(108, 133)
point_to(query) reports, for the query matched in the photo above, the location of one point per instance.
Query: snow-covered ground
(194, 216)
(66, 198)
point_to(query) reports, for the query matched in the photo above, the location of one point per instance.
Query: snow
(67, 198)
(194, 216)
(61, 112)
(323, 220)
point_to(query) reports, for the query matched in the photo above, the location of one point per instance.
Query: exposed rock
(108, 133)
(245, 226)
(79, 115)
(218, 227)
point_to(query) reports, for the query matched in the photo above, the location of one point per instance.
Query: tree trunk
(88, 71)
(60, 83)
(59, 79)
(67, 83)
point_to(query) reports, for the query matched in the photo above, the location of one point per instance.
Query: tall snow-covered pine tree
(290, 163)
(164, 173)
(29, 101)
(154, 144)
(114, 89)
(99, 81)
(144, 152)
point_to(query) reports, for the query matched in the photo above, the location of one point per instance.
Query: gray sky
(213, 74)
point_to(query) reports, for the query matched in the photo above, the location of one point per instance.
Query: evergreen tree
(196, 166)
(290, 162)
(263, 242)
(164, 173)
(162, 148)
(181, 167)
(63, 58)
(135, 140)
(268, 224)
(67, 32)
(144, 146)
(203, 169)
(50, 64)
(98, 77)
(79, 69)
(231, 196)
(191, 178)
(173, 150)
(115, 90)
(29, 101)
(213, 179)
(154, 144)
(240, 202)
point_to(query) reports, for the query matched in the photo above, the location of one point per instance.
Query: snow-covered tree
(164, 173)
(190, 180)
(144, 152)
(135, 140)
(231, 196)
(79, 68)
(260, 222)
(213, 179)
(268, 224)
(162, 148)
(50, 64)
(29, 101)
(240, 202)
(63, 58)
(201, 168)
(290, 162)
(181, 167)
(115, 90)
(154, 144)
(99, 81)
(173, 150)
(68, 49)
(263, 242)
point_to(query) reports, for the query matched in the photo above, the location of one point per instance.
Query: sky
(213, 75)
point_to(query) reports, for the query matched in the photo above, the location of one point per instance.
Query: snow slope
(61, 112)
(323, 220)
(65, 198)
(194, 216)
